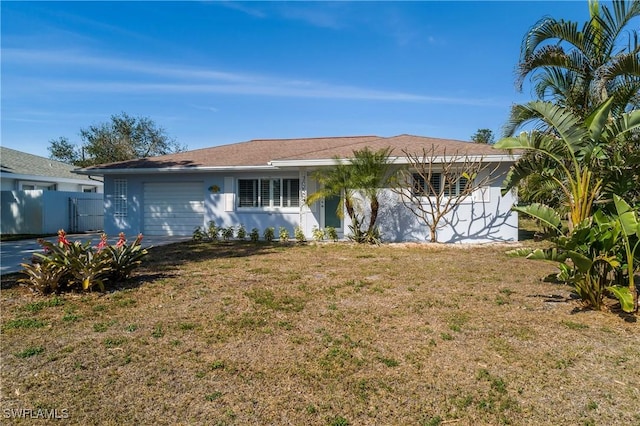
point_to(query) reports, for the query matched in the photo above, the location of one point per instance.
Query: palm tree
(371, 172)
(570, 152)
(580, 69)
(365, 174)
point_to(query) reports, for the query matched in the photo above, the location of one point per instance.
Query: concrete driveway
(13, 253)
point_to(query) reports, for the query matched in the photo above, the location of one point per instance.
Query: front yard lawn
(331, 334)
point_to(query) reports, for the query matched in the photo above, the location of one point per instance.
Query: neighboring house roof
(22, 165)
(268, 153)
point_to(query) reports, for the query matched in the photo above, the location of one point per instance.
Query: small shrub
(299, 235)
(318, 234)
(43, 277)
(254, 236)
(283, 234)
(269, 234)
(242, 232)
(125, 258)
(332, 233)
(227, 233)
(199, 234)
(213, 232)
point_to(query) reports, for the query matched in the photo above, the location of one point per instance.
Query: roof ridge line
(376, 138)
(316, 138)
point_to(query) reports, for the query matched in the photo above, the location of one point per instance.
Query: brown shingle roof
(260, 152)
(399, 144)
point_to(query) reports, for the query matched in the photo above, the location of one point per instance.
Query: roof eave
(323, 162)
(54, 179)
(147, 170)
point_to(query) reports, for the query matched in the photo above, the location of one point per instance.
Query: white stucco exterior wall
(483, 218)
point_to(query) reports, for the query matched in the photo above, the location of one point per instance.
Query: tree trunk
(434, 233)
(349, 207)
(375, 207)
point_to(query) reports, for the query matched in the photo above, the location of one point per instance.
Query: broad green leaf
(601, 219)
(543, 213)
(521, 252)
(520, 142)
(582, 262)
(597, 120)
(548, 254)
(624, 296)
(621, 205)
(626, 216)
(629, 223)
(611, 260)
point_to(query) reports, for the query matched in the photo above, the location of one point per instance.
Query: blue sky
(213, 73)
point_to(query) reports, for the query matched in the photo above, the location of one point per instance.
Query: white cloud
(156, 78)
(241, 7)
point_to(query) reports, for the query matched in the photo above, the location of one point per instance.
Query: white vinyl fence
(45, 212)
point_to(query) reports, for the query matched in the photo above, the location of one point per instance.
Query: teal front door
(330, 213)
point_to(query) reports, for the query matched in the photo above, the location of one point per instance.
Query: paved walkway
(13, 253)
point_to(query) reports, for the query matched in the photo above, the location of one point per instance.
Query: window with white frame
(29, 186)
(439, 183)
(120, 197)
(290, 192)
(269, 192)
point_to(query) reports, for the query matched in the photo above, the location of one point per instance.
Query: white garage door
(173, 208)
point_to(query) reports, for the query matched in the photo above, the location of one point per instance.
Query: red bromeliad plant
(103, 242)
(125, 258)
(75, 265)
(62, 238)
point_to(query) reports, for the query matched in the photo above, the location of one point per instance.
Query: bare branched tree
(433, 185)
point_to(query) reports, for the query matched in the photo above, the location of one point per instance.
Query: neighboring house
(40, 195)
(263, 183)
(20, 171)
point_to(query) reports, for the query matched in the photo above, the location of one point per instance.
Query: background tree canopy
(483, 136)
(123, 138)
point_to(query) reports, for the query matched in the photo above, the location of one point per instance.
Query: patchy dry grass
(330, 334)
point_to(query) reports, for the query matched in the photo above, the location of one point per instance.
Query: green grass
(280, 302)
(41, 304)
(29, 352)
(19, 323)
(575, 325)
(327, 334)
(100, 327)
(213, 396)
